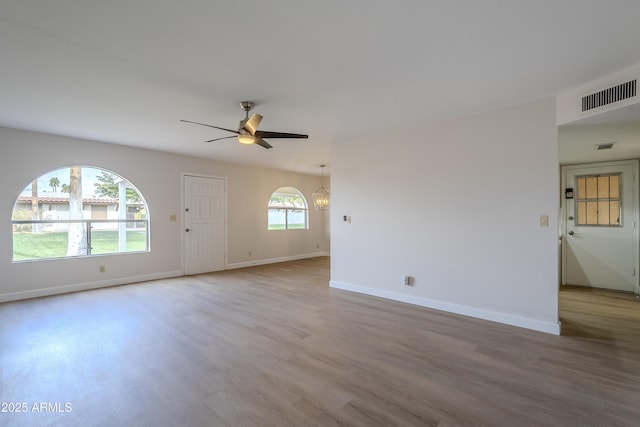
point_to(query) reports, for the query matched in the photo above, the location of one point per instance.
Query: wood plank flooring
(275, 346)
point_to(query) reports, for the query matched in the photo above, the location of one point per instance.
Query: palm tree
(35, 228)
(54, 183)
(77, 235)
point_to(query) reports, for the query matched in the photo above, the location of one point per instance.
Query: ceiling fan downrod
(246, 107)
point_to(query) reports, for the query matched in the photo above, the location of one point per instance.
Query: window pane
(603, 187)
(592, 213)
(287, 197)
(277, 219)
(591, 188)
(603, 213)
(597, 201)
(50, 242)
(109, 239)
(296, 218)
(582, 188)
(614, 212)
(614, 185)
(582, 213)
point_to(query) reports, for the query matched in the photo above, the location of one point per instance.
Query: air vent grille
(610, 95)
(605, 146)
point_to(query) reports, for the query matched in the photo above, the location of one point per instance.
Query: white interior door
(205, 224)
(600, 234)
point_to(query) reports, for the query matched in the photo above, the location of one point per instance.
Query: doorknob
(571, 233)
(187, 230)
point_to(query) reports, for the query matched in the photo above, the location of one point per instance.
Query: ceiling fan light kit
(246, 139)
(248, 132)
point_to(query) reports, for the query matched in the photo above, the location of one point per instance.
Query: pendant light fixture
(321, 196)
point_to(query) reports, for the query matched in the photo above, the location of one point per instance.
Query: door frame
(183, 223)
(635, 206)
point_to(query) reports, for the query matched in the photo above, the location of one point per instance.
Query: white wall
(27, 155)
(456, 205)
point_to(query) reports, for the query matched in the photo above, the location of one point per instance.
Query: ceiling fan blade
(261, 142)
(268, 134)
(224, 137)
(211, 126)
(252, 124)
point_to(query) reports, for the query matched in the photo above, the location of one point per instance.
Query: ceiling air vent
(608, 96)
(605, 146)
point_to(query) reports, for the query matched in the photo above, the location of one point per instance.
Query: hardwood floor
(274, 345)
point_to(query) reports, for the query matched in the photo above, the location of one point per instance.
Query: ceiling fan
(248, 132)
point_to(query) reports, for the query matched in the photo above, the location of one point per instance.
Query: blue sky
(89, 175)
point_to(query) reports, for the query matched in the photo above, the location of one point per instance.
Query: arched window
(79, 211)
(287, 210)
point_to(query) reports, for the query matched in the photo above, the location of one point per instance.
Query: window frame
(282, 191)
(579, 200)
(91, 226)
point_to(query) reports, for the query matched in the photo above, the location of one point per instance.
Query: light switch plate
(544, 220)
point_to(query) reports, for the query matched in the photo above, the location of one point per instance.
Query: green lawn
(54, 245)
(282, 226)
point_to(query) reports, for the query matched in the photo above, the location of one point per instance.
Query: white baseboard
(35, 293)
(43, 292)
(274, 260)
(536, 325)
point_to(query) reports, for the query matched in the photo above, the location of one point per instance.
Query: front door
(600, 234)
(204, 224)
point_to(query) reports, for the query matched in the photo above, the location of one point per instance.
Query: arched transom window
(287, 210)
(79, 211)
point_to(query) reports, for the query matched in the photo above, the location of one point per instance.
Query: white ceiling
(577, 141)
(126, 72)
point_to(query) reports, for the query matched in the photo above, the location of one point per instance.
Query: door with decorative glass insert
(600, 233)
